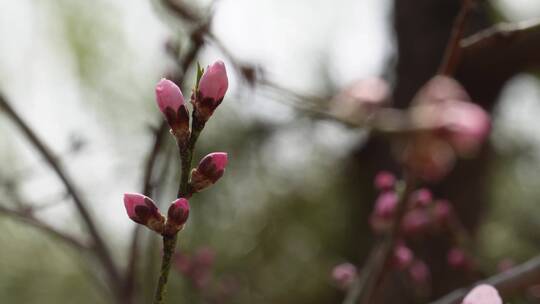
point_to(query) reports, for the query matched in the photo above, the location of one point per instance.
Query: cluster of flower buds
(142, 210)
(424, 213)
(483, 294)
(343, 275)
(209, 91)
(448, 125)
(208, 94)
(458, 258)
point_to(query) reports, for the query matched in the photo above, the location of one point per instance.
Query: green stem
(169, 244)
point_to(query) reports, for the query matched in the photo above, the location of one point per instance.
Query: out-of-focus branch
(181, 10)
(507, 283)
(99, 246)
(517, 41)
(29, 219)
(452, 53)
(363, 288)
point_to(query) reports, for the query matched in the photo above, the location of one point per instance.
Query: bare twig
(34, 222)
(453, 51)
(99, 246)
(507, 283)
(517, 41)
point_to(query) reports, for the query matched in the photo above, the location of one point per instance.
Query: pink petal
(168, 95)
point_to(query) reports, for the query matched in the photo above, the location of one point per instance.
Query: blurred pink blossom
(385, 180)
(344, 274)
(483, 294)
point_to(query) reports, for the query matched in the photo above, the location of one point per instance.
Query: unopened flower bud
(143, 210)
(421, 198)
(209, 170)
(385, 180)
(344, 274)
(171, 103)
(177, 216)
(419, 272)
(212, 88)
(442, 211)
(383, 212)
(457, 258)
(415, 222)
(403, 257)
(465, 125)
(483, 294)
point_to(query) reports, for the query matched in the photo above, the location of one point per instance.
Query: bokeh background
(297, 193)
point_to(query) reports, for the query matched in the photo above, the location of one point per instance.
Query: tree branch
(34, 222)
(99, 246)
(507, 283)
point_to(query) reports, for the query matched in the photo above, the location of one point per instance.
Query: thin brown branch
(507, 283)
(99, 246)
(29, 219)
(453, 51)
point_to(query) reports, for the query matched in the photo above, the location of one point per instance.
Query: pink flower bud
(383, 212)
(442, 211)
(419, 272)
(421, 198)
(483, 294)
(386, 203)
(385, 180)
(344, 274)
(214, 82)
(171, 103)
(403, 257)
(209, 170)
(177, 216)
(168, 95)
(415, 222)
(212, 88)
(143, 210)
(465, 125)
(457, 258)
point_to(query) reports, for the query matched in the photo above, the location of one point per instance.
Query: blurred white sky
(40, 75)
